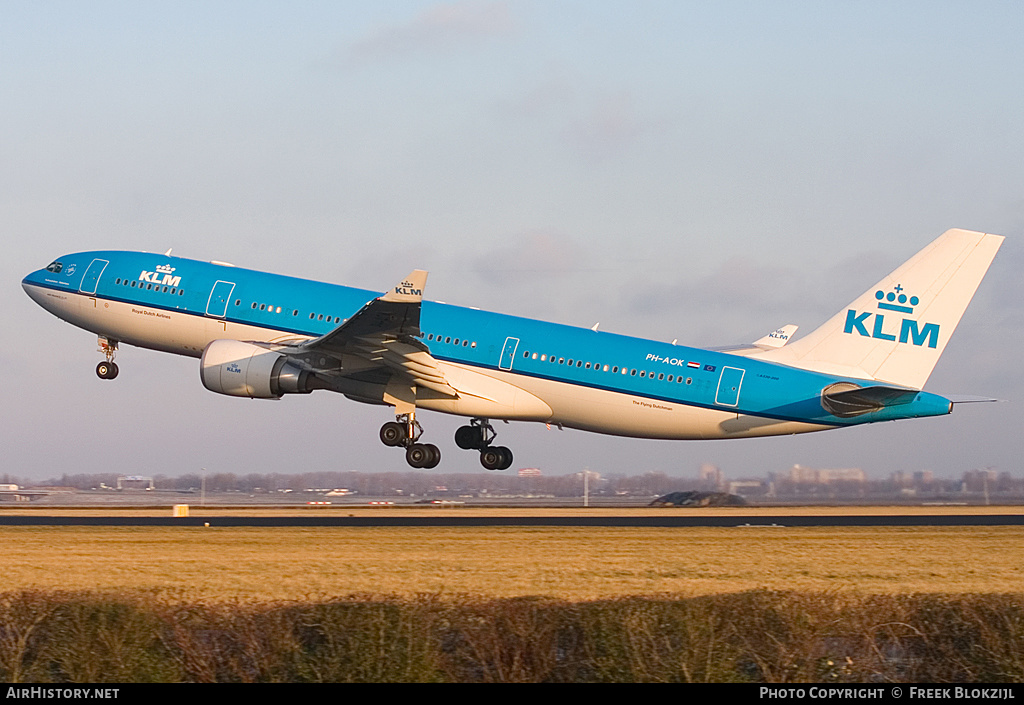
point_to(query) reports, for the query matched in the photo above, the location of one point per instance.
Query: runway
(668, 521)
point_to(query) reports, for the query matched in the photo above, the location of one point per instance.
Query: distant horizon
(509, 474)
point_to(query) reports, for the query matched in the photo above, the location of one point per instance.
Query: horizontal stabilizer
(846, 400)
(968, 399)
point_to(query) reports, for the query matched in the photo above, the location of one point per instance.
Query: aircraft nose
(29, 285)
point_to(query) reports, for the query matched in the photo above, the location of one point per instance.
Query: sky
(671, 170)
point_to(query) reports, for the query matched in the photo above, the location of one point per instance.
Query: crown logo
(164, 268)
(896, 300)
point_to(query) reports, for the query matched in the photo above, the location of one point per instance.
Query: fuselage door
(729, 386)
(92, 276)
(217, 306)
(508, 353)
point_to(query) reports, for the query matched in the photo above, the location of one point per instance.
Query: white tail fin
(896, 331)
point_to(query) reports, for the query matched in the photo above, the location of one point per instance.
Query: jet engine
(245, 370)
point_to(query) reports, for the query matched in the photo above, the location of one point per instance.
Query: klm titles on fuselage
(164, 275)
(909, 329)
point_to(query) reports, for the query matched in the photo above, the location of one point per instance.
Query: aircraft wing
(384, 334)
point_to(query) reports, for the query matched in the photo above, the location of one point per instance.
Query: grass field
(569, 563)
(476, 604)
(406, 510)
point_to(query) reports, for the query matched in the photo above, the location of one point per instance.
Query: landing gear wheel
(469, 438)
(423, 455)
(497, 458)
(436, 456)
(506, 461)
(393, 434)
(106, 370)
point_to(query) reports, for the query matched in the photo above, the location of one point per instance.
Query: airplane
(264, 336)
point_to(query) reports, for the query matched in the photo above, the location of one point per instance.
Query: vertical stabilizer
(896, 330)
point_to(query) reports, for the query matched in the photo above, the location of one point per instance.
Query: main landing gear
(405, 431)
(478, 436)
(108, 369)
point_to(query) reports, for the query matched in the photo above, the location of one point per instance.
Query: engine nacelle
(245, 370)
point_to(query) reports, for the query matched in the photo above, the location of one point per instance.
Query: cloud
(530, 257)
(437, 30)
(608, 125)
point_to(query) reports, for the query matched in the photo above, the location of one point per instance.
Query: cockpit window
(54, 267)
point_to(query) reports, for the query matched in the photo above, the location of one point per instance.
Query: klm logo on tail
(909, 330)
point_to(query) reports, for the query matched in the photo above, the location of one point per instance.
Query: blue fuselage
(178, 305)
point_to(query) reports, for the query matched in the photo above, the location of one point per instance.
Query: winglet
(777, 338)
(409, 290)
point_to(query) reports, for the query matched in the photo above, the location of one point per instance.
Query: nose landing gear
(405, 431)
(108, 369)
